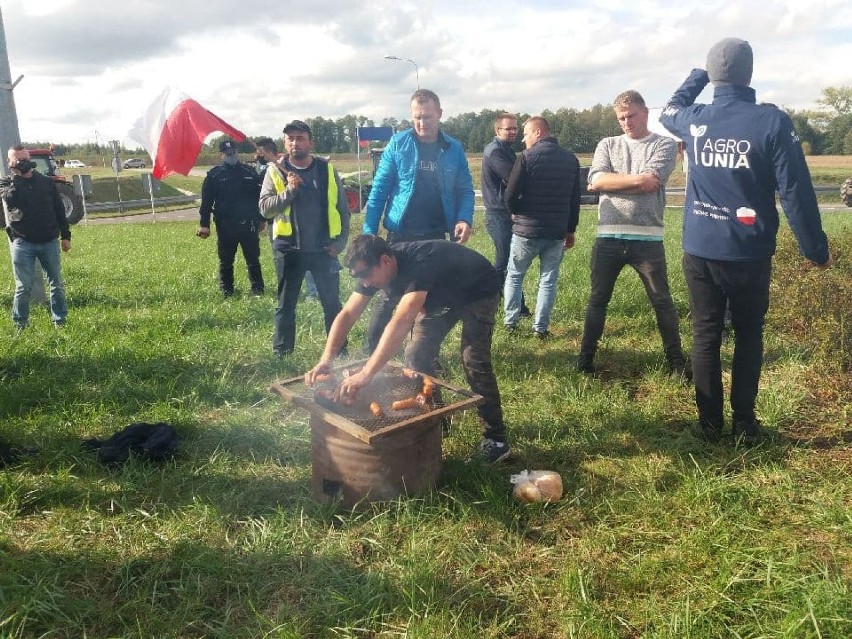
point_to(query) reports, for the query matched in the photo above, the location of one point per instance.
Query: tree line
(826, 130)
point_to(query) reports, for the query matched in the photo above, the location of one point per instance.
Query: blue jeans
(648, 259)
(24, 255)
(521, 255)
(499, 227)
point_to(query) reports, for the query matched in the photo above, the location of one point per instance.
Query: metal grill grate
(388, 386)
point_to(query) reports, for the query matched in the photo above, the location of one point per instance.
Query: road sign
(150, 184)
(82, 185)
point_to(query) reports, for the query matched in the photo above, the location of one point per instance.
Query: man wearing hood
(740, 153)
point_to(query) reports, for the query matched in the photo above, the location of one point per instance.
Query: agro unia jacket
(276, 203)
(393, 184)
(739, 154)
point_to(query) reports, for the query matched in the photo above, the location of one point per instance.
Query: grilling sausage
(410, 374)
(405, 404)
(428, 386)
(376, 409)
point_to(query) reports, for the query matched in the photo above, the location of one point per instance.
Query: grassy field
(658, 534)
(825, 171)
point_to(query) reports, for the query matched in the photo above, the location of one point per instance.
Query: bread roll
(549, 484)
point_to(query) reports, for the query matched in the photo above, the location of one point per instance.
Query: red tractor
(46, 165)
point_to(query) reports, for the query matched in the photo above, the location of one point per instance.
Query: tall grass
(658, 535)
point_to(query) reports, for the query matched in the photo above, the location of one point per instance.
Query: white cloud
(95, 64)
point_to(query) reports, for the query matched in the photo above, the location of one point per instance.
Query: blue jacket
(393, 183)
(739, 154)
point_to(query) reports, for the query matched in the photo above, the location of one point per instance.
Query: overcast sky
(94, 65)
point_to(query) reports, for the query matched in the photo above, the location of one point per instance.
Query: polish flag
(173, 129)
(746, 215)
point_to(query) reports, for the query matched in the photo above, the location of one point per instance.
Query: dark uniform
(230, 194)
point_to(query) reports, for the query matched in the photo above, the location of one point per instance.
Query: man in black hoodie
(543, 196)
(34, 218)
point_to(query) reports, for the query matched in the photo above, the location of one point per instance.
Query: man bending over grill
(440, 283)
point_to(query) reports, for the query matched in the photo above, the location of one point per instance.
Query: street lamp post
(416, 70)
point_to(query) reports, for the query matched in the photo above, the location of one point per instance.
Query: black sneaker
(749, 433)
(584, 365)
(708, 432)
(542, 334)
(492, 452)
(679, 370)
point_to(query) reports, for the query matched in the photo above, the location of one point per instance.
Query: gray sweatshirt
(641, 214)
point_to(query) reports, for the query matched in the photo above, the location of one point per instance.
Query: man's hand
(293, 181)
(627, 183)
(569, 242)
(350, 386)
(261, 227)
(323, 367)
(648, 183)
(203, 232)
(66, 245)
(462, 232)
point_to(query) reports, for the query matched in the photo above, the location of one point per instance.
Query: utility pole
(9, 133)
(9, 137)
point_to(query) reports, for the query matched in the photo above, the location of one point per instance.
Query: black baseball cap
(297, 125)
(227, 147)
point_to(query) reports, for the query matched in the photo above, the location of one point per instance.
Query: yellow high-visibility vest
(283, 225)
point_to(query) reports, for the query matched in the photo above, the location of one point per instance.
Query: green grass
(658, 534)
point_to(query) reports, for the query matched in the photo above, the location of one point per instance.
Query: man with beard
(304, 195)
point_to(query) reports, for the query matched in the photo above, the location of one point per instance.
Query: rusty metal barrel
(404, 462)
(358, 456)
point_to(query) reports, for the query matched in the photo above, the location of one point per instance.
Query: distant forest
(824, 131)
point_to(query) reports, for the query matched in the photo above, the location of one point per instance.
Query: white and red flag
(173, 129)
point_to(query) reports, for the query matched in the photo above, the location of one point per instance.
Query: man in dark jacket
(230, 193)
(34, 218)
(498, 158)
(543, 196)
(739, 153)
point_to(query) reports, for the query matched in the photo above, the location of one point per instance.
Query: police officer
(230, 193)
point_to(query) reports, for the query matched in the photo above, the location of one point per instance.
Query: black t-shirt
(451, 274)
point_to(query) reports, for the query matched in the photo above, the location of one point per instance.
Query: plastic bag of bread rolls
(537, 485)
